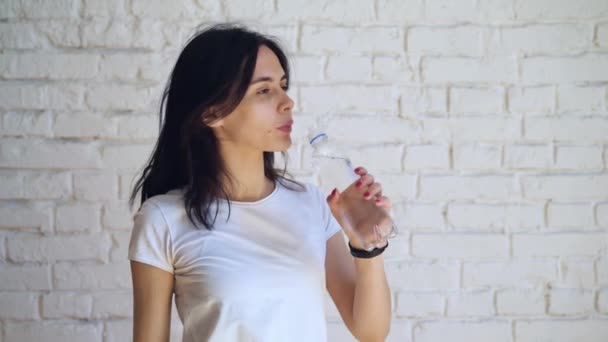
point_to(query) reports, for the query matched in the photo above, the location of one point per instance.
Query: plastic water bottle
(371, 225)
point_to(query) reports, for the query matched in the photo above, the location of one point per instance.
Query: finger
(373, 190)
(384, 202)
(364, 182)
(361, 171)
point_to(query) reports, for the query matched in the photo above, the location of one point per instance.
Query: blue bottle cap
(318, 136)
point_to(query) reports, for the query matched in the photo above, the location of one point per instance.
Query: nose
(287, 104)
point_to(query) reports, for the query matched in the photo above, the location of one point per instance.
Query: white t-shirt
(258, 277)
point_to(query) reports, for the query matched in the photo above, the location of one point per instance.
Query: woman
(247, 252)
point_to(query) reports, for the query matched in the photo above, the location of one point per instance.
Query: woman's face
(256, 121)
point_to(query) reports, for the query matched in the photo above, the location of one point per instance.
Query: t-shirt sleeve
(150, 241)
(330, 223)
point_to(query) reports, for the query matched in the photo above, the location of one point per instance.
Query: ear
(210, 119)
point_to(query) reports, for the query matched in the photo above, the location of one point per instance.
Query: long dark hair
(208, 81)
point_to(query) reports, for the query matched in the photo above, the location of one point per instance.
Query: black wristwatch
(361, 253)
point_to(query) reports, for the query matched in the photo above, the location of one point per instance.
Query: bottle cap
(320, 137)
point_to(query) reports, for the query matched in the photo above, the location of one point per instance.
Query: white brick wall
(486, 121)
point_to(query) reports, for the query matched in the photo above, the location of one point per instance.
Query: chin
(280, 147)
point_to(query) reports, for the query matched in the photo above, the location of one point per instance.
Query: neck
(246, 167)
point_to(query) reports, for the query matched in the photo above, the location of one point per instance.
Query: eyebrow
(265, 79)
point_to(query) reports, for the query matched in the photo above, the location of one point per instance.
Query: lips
(287, 125)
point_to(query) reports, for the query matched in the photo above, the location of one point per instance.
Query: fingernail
(366, 194)
(358, 185)
(333, 192)
(357, 169)
(377, 200)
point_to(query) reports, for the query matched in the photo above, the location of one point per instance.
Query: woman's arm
(360, 291)
(152, 295)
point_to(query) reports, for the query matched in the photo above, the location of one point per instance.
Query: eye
(263, 91)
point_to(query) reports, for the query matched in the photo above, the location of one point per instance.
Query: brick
(601, 38)
(544, 39)
(586, 68)
(563, 244)
(349, 68)
(138, 127)
(402, 185)
(560, 9)
(472, 129)
(307, 69)
(48, 66)
(419, 216)
(577, 273)
(53, 331)
(400, 331)
(470, 303)
(83, 125)
(476, 156)
(584, 100)
(24, 217)
(460, 40)
(132, 67)
(119, 330)
(23, 278)
(246, 9)
(476, 100)
(19, 306)
(396, 70)
(343, 11)
(77, 217)
(462, 331)
(601, 215)
(518, 272)
(531, 99)
(105, 32)
(117, 216)
(182, 9)
(67, 306)
(601, 269)
(337, 331)
(402, 246)
(578, 157)
(566, 187)
(387, 157)
(126, 183)
(528, 156)
(399, 10)
(416, 100)
(125, 156)
(463, 69)
(27, 248)
(570, 301)
(27, 124)
(591, 330)
(570, 216)
(466, 187)
(17, 35)
(61, 33)
(34, 185)
(361, 99)
(495, 217)
(86, 277)
(317, 39)
(602, 301)
(411, 304)
(359, 129)
(105, 8)
(45, 10)
(459, 245)
(444, 10)
(420, 275)
(33, 153)
(121, 97)
(120, 242)
(427, 157)
(42, 97)
(520, 302)
(94, 185)
(112, 305)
